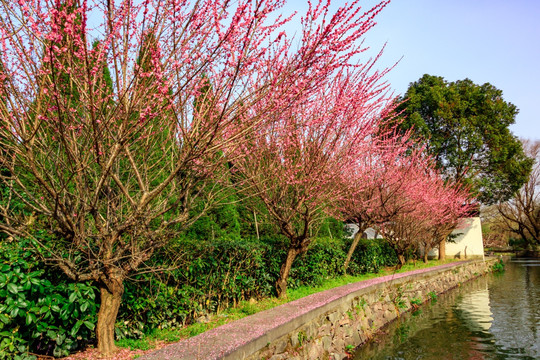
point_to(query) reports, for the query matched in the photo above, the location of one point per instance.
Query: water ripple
(494, 317)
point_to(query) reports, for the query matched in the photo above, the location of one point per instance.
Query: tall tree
(112, 168)
(375, 180)
(466, 129)
(427, 210)
(495, 231)
(296, 167)
(522, 213)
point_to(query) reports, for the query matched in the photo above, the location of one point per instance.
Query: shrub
(58, 315)
(517, 244)
(498, 266)
(216, 274)
(323, 260)
(39, 312)
(372, 254)
(221, 273)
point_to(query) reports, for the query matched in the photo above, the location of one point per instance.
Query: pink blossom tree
(374, 180)
(295, 164)
(428, 210)
(401, 203)
(107, 147)
(451, 202)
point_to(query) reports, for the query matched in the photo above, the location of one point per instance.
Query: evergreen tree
(465, 127)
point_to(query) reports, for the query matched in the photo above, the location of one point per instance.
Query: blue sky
(495, 41)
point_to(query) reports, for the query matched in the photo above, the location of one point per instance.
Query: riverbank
(136, 347)
(327, 323)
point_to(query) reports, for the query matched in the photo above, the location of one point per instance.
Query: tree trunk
(442, 250)
(427, 249)
(256, 225)
(401, 259)
(353, 246)
(111, 297)
(281, 283)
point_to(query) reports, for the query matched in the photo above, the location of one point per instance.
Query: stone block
(280, 346)
(279, 357)
(326, 342)
(312, 330)
(324, 330)
(367, 311)
(338, 333)
(349, 341)
(339, 344)
(315, 352)
(338, 356)
(294, 340)
(262, 354)
(389, 315)
(356, 338)
(333, 316)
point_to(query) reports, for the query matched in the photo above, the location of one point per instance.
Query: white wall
(370, 233)
(469, 241)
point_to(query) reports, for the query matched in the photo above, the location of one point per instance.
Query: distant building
(468, 243)
(370, 233)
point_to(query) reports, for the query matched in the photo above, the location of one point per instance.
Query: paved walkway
(222, 341)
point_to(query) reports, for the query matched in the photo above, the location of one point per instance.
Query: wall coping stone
(243, 337)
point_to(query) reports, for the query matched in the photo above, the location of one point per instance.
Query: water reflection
(475, 310)
(494, 317)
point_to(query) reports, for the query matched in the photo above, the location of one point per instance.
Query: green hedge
(323, 260)
(220, 273)
(215, 275)
(44, 313)
(372, 254)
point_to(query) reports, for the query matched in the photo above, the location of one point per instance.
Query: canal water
(492, 317)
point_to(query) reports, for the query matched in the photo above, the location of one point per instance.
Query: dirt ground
(92, 353)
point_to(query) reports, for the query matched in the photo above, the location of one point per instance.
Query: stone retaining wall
(324, 325)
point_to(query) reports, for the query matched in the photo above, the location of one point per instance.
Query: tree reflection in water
(493, 317)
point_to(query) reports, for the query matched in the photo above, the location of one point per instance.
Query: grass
(133, 344)
(246, 308)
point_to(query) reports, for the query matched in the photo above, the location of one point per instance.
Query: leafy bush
(323, 260)
(372, 254)
(43, 314)
(39, 313)
(215, 275)
(221, 273)
(333, 228)
(517, 244)
(498, 266)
